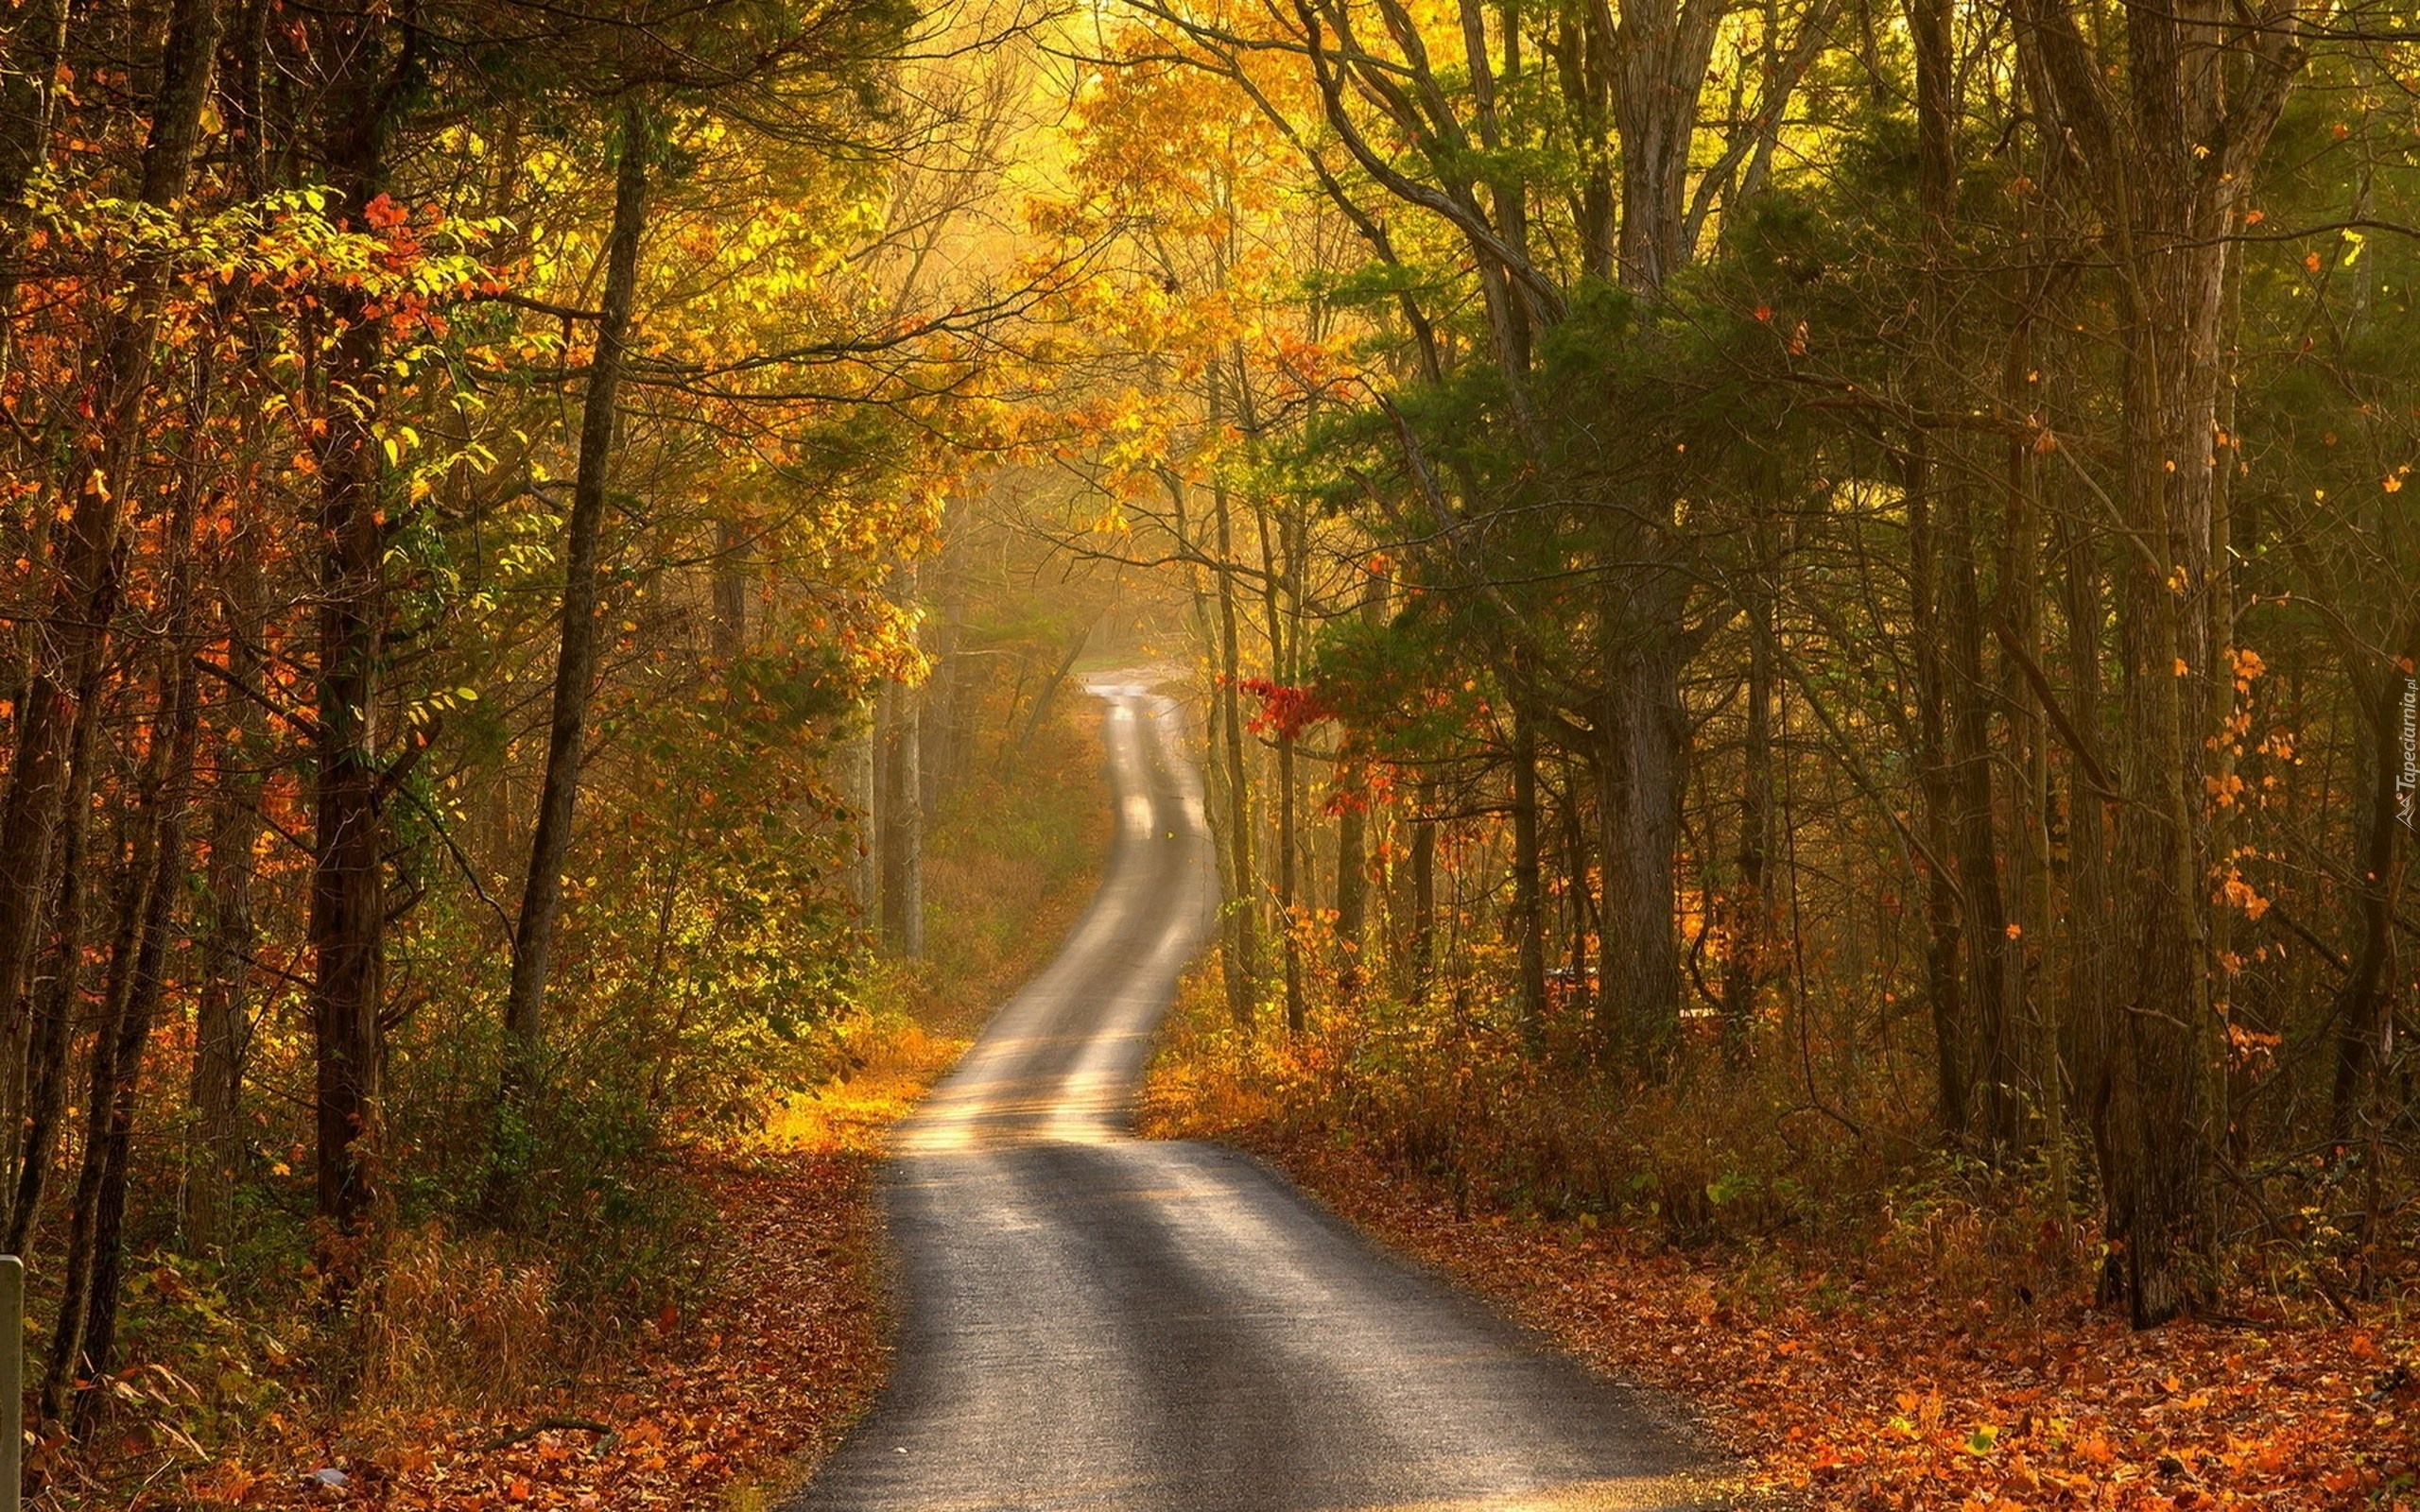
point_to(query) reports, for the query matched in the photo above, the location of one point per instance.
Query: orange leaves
(2237, 893)
(2247, 667)
(1893, 1399)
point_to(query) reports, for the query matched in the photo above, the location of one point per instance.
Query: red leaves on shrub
(1285, 709)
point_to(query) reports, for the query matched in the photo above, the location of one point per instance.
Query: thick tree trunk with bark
(1641, 769)
(1662, 50)
(2171, 163)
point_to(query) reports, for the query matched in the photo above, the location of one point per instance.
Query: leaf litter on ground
(1879, 1394)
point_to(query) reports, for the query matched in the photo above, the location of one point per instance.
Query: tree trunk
(1528, 910)
(2091, 967)
(1352, 829)
(28, 98)
(62, 1365)
(1929, 23)
(1351, 879)
(54, 1026)
(146, 900)
(1743, 961)
(2362, 1023)
(542, 894)
(1662, 52)
(133, 1036)
(1278, 567)
(731, 533)
(1579, 896)
(1421, 957)
(902, 824)
(1289, 936)
(84, 577)
(346, 931)
(1641, 767)
(222, 1010)
(1944, 937)
(1243, 905)
(2171, 163)
(865, 864)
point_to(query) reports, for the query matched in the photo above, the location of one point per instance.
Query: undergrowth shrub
(1452, 1092)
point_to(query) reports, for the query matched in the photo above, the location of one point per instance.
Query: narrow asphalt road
(1094, 1321)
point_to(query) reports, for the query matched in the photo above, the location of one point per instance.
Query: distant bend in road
(1097, 1322)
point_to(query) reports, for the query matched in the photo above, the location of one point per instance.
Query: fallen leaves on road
(1850, 1392)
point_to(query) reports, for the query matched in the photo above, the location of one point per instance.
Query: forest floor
(1841, 1388)
(710, 1409)
(726, 1403)
(727, 1407)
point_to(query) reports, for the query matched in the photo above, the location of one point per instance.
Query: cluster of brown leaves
(1878, 1392)
(783, 1351)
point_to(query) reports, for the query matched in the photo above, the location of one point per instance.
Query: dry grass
(894, 1065)
(453, 1321)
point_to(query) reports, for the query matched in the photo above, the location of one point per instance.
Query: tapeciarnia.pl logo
(2407, 782)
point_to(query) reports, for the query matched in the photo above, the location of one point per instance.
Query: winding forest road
(1094, 1321)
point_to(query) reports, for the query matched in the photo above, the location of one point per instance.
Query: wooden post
(12, 1381)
